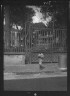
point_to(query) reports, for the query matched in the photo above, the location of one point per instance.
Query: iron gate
(51, 42)
(47, 41)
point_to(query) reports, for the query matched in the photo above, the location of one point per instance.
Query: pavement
(32, 71)
(31, 78)
(13, 76)
(36, 82)
(31, 68)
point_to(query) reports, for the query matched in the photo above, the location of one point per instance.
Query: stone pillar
(63, 61)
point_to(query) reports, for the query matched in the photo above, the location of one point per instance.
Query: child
(41, 56)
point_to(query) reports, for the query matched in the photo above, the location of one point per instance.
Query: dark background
(19, 14)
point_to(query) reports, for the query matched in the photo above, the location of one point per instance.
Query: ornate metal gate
(51, 42)
(47, 41)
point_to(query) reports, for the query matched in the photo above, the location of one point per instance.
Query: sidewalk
(36, 82)
(31, 78)
(32, 68)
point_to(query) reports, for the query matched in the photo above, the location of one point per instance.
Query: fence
(48, 41)
(32, 41)
(16, 45)
(42, 39)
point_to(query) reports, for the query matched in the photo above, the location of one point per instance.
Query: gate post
(63, 61)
